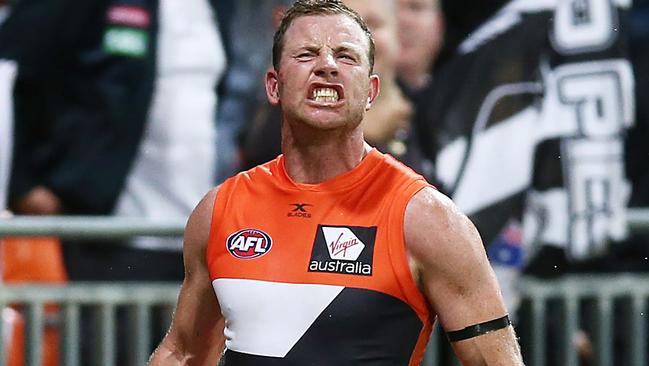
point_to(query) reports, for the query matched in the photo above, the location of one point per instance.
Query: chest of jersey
(306, 238)
(313, 277)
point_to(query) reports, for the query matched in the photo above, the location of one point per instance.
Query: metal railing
(96, 227)
(556, 309)
(102, 299)
(88, 227)
(614, 300)
(612, 308)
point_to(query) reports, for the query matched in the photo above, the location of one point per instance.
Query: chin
(323, 124)
(325, 121)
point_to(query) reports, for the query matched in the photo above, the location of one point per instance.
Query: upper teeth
(325, 95)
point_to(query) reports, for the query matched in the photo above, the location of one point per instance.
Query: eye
(346, 56)
(304, 55)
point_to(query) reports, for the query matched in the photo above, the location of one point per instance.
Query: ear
(373, 92)
(272, 87)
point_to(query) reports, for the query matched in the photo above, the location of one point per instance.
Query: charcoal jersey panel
(318, 272)
(384, 336)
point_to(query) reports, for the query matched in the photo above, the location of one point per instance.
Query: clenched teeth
(325, 95)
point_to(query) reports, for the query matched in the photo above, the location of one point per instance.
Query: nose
(326, 67)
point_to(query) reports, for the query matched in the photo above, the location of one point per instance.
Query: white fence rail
(103, 299)
(612, 308)
(557, 309)
(86, 227)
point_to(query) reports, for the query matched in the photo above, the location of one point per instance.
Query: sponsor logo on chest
(343, 249)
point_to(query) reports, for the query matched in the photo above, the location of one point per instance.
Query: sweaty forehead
(325, 30)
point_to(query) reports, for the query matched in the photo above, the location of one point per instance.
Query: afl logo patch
(249, 243)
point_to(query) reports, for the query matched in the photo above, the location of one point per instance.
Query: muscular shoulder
(198, 226)
(431, 212)
(438, 236)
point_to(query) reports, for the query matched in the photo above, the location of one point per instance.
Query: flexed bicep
(457, 280)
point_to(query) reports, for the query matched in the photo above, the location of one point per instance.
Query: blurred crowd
(527, 113)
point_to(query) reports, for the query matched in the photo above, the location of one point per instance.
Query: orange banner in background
(36, 260)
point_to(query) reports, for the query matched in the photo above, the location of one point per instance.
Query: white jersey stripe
(270, 317)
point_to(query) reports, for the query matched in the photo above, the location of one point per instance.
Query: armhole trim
(220, 204)
(398, 252)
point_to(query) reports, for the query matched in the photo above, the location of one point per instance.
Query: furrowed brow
(310, 48)
(352, 50)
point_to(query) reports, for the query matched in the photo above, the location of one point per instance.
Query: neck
(315, 156)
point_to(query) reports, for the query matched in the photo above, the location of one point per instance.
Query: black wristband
(478, 329)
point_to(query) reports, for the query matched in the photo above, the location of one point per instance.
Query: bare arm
(196, 333)
(450, 263)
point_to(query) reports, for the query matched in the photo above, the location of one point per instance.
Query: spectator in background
(248, 27)
(421, 35)
(387, 125)
(176, 160)
(114, 110)
(22, 260)
(260, 142)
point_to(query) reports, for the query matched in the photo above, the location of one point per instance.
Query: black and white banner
(528, 124)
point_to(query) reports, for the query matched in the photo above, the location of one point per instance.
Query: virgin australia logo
(343, 249)
(342, 243)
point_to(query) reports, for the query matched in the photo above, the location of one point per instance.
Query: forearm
(167, 355)
(164, 356)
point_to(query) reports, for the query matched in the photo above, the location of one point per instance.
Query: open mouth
(326, 94)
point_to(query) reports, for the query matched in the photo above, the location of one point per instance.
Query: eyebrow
(342, 48)
(310, 47)
(346, 49)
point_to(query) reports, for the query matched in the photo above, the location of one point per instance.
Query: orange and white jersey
(317, 274)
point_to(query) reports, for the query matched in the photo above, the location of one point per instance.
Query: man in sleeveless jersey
(333, 253)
